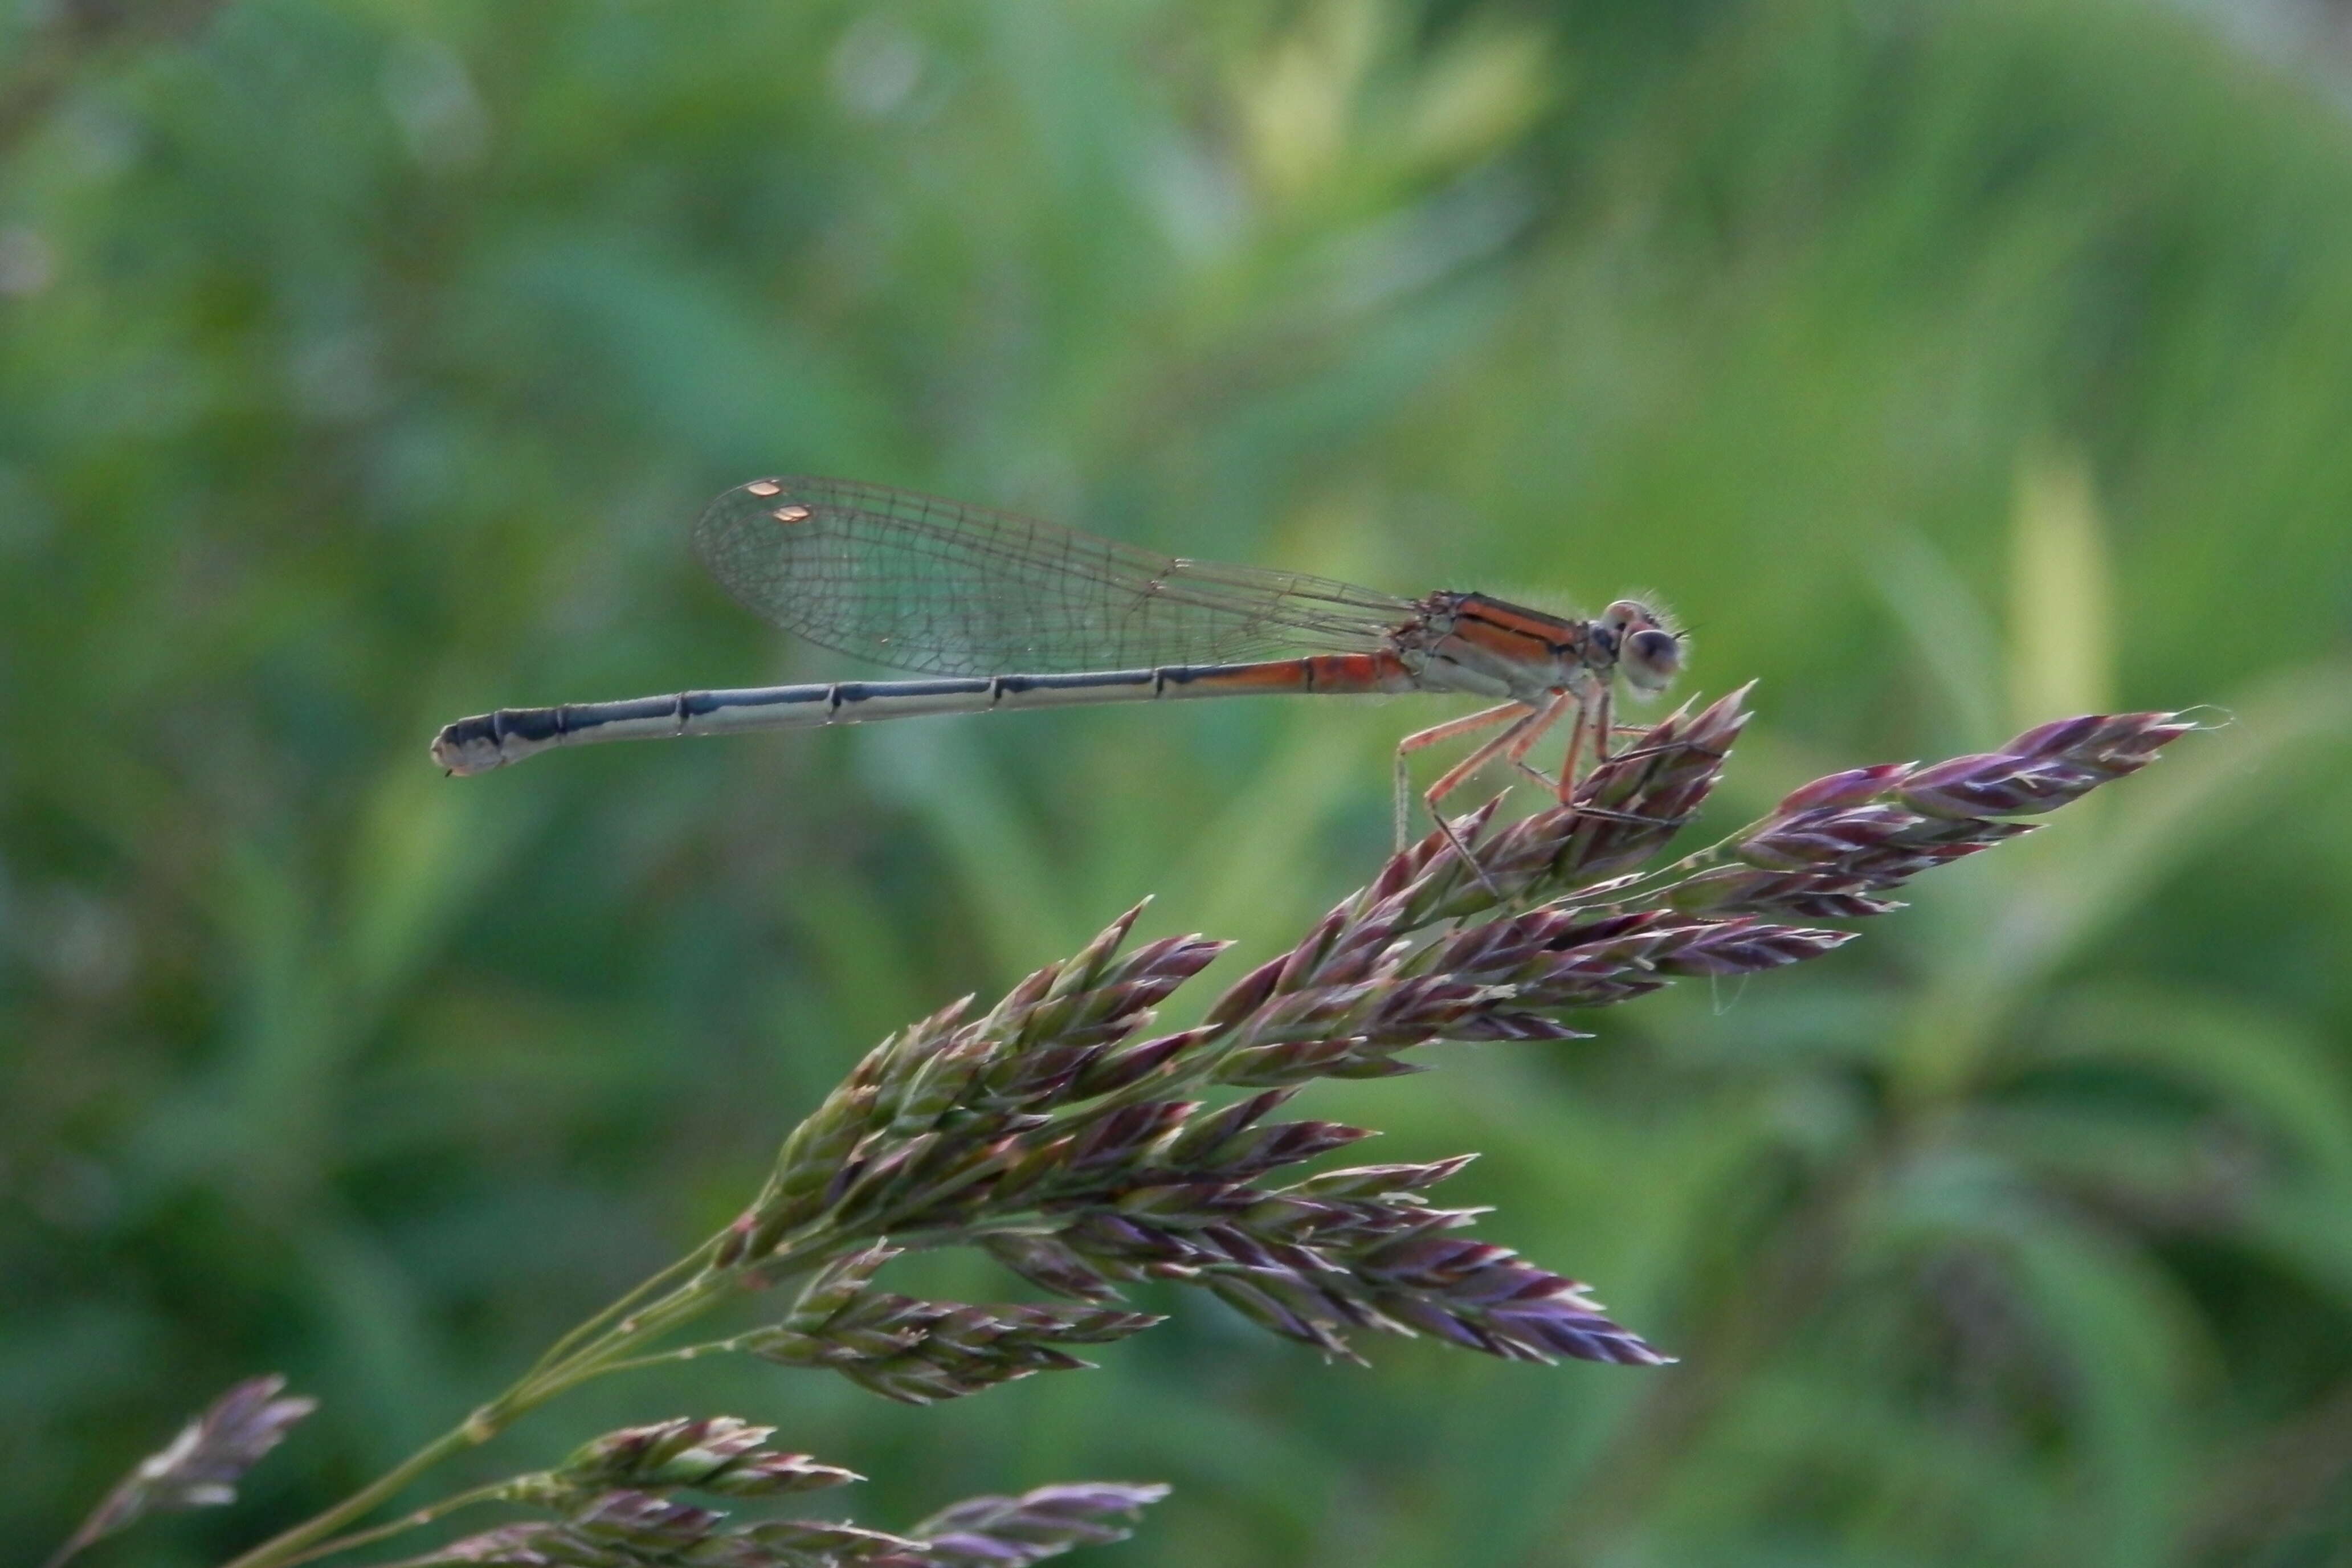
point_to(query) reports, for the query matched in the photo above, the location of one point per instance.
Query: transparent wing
(939, 587)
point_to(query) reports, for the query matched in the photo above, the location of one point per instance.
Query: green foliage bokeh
(1949, 367)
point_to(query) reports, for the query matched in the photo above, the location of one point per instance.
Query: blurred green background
(1948, 367)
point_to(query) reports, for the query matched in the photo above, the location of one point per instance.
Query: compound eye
(1628, 613)
(1651, 658)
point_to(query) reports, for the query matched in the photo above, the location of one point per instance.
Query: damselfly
(1002, 611)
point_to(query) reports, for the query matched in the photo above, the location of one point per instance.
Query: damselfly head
(1650, 655)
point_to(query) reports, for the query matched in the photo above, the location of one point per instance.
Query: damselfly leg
(1436, 735)
(1525, 727)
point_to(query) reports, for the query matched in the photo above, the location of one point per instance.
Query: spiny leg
(1436, 734)
(1604, 714)
(1604, 730)
(1592, 717)
(1634, 753)
(1517, 753)
(1535, 721)
(1566, 785)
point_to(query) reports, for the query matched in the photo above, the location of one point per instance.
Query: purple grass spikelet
(1088, 1150)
